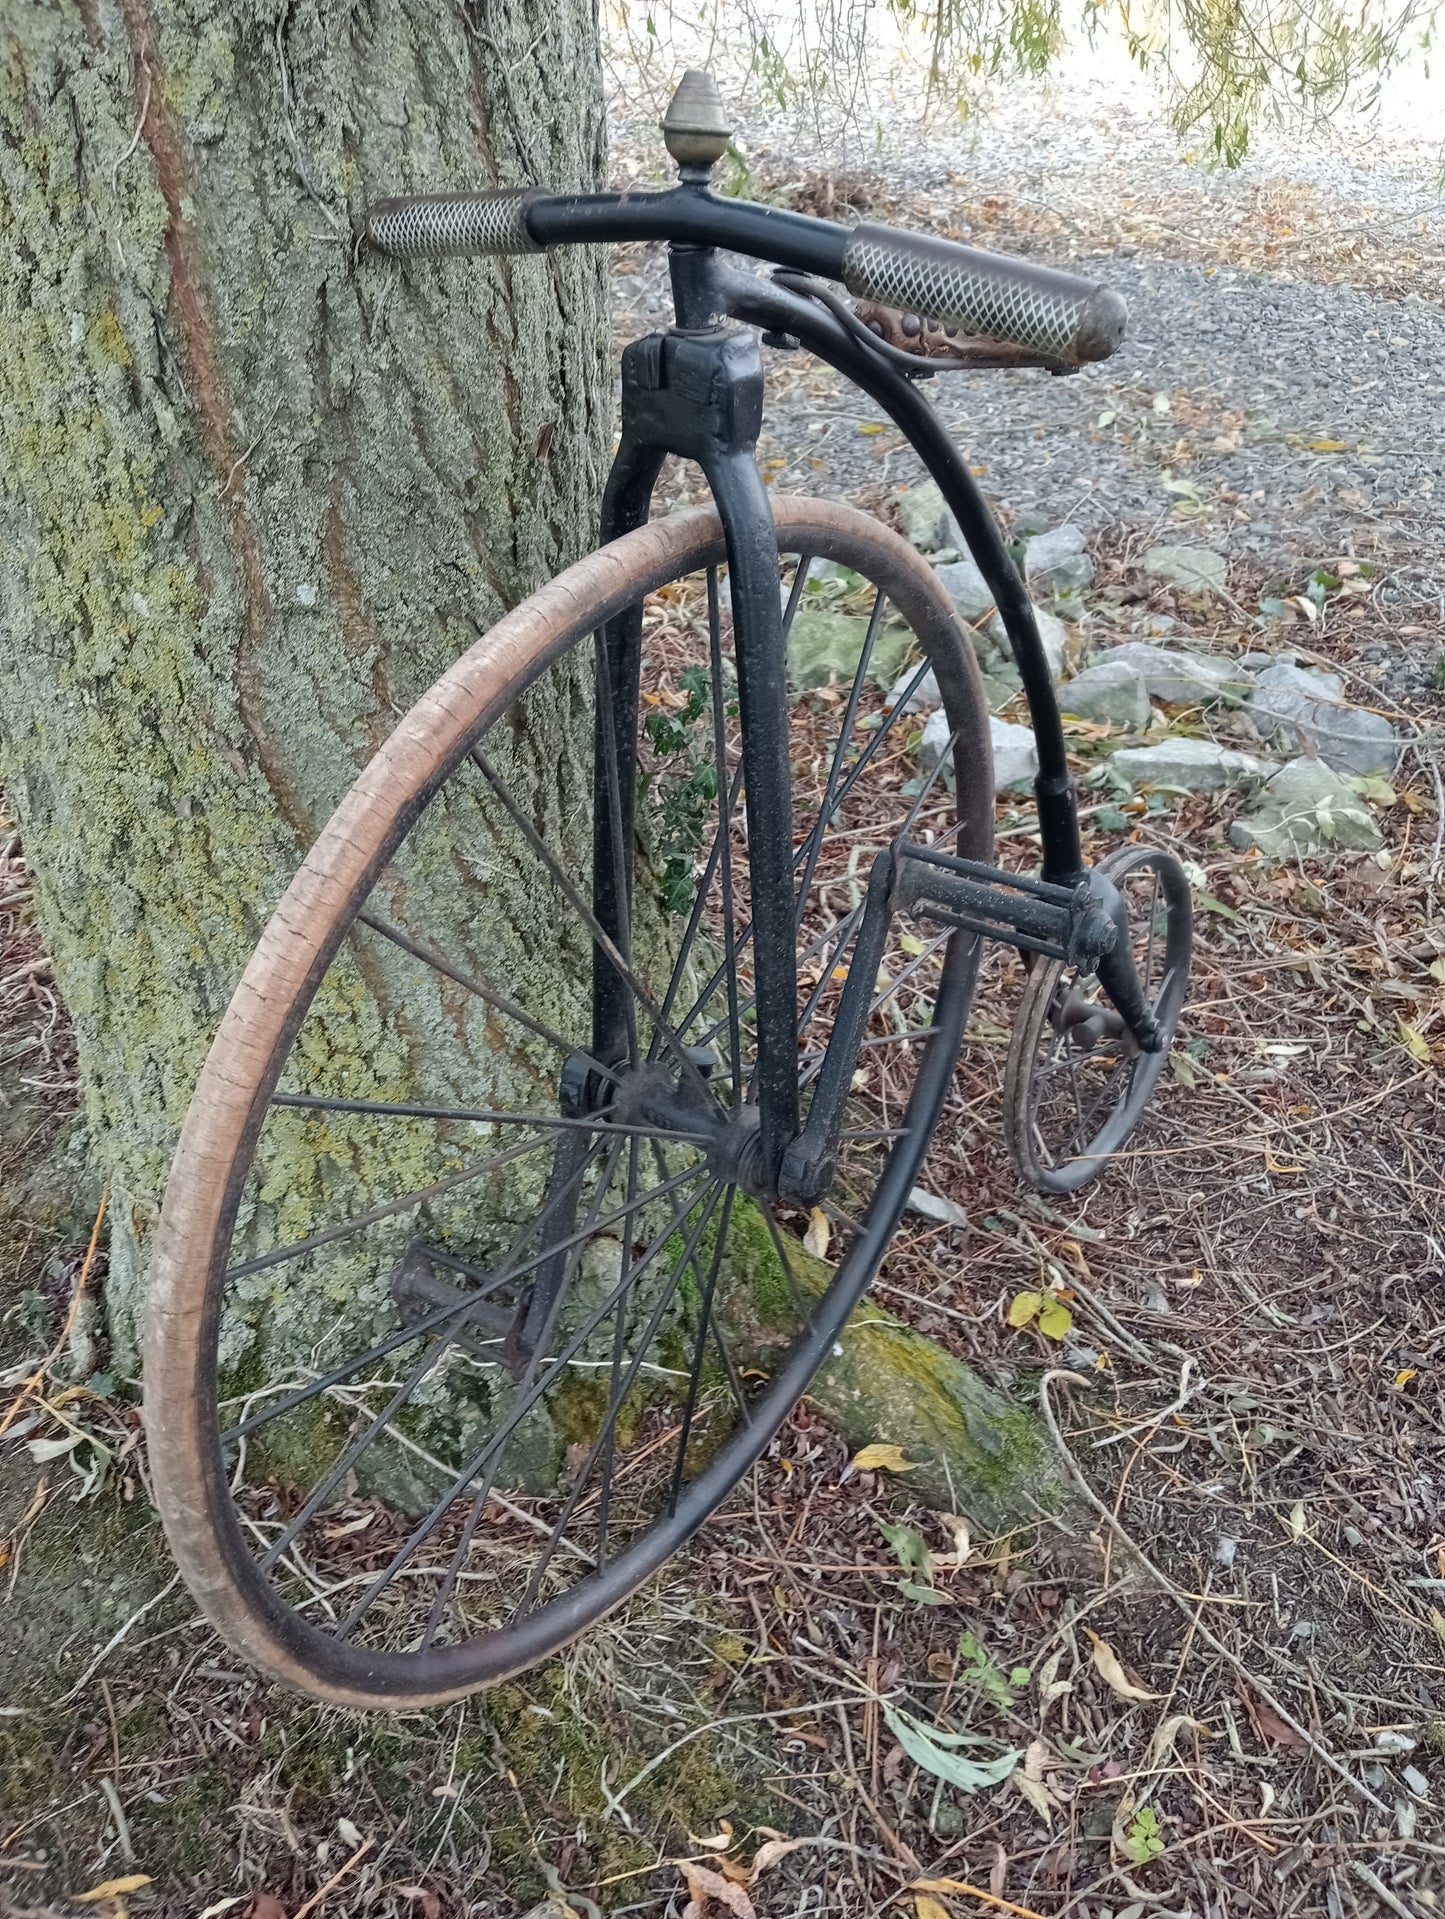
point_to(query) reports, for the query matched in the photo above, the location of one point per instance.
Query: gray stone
(1198, 569)
(947, 1212)
(963, 583)
(826, 646)
(1003, 682)
(1260, 662)
(1191, 679)
(1311, 681)
(1113, 691)
(1055, 563)
(1052, 633)
(1015, 757)
(927, 522)
(925, 697)
(1303, 710)
(1154, 626)
(1307, 808)
(1198, 766)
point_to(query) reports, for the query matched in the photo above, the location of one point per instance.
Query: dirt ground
(1240, 1709)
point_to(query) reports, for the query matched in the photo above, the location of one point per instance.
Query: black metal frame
(696, 390)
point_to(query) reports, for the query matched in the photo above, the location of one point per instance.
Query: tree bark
(257, 489)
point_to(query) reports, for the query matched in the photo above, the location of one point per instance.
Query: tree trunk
(257, 489)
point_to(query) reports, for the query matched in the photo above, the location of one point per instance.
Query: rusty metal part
(927, 339)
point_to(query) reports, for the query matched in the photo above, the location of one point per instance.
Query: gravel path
(1281, 392)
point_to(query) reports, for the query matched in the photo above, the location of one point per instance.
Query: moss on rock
(976, 1452)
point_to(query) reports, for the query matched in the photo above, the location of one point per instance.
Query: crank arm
(809, 1162)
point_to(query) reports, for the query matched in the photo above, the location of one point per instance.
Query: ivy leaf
(910, 1549)
(1055, 1319)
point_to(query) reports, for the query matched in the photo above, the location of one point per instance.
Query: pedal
(418, 1292)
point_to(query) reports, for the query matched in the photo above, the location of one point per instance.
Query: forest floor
(1243, 1711)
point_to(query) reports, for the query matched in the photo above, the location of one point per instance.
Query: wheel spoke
(488, 1115)
(604, 1444)
(479, 1503)
(475, 983)
(704, 1323)
(619, 1338)
(527, 1395)
(845, 733)
(389, 1209)
(584, 912)
(426, 1324)
(1149, 952)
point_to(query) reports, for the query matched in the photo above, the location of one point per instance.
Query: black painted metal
(762, 304)
(809, 1163)
(699, 393)
(691, 213)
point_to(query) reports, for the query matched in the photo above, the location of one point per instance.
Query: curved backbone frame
(761, 303)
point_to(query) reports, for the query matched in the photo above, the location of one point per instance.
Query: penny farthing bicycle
(613, 967)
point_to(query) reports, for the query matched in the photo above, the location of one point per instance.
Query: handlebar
(1060, 316)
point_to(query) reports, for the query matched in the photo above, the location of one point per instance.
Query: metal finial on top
(695, 127)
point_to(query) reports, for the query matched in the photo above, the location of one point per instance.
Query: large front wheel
(459, 1330)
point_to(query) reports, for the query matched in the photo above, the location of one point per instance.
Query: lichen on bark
(257, 490)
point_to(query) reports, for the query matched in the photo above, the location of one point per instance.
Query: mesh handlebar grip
(1056, 315)
(431, 225)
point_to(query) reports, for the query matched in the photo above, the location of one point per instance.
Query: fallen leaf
(882, 1459)
(113, 1888)
(815, 1240)
(1277, 1729)
(1415, 1042)
(266, 1906)
(962, 1885)
(770, 1854)
(1161, 1746)
(1404, 1376)
(927, 1907)
(1298, 1524)
(1051, 1687)
(1055, 1319)
(957, 1529)
(1023, 1307)
(937, 1752)
(431, 1905)
(351, 1834)
(1038, 1796)
(1111, 1671)
(225, 1905)
(707, 1889)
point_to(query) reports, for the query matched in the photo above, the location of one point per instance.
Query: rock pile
(1257, 721)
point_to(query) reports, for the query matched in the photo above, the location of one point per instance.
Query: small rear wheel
(1076, 1085)
(459, 1329)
